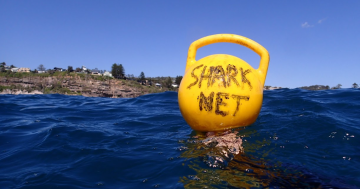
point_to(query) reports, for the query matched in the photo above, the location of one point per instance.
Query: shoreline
(19, 92)
(77, 85)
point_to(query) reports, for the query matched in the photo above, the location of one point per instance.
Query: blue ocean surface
(301, 139)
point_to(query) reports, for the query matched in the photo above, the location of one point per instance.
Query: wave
(301, 139)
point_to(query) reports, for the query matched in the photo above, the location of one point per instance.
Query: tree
(115, 71)
(338, 86)
(355, 85)
(178, 80)
(122, 71)
(142, 77)
(118, 71)
(2, 65)
(70, 69)
(41, 67)
(95, 70)
(77, 70)
(315, 87)
(50, 71)
(12, 66)
(168, 82)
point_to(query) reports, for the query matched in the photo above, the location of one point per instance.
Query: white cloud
(306, 25)
(321, 20)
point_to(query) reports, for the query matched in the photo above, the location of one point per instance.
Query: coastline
(76, 85)
(19, 92)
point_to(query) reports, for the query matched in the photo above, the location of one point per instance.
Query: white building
(83, 68)
(106, 73)
(24, 70)
(14, 69)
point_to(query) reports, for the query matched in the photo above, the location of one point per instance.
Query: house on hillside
(106, 73)
(23, 70)
(83, 69)
(58, 69)
(14, 70)
(95, 72)
(7, 68)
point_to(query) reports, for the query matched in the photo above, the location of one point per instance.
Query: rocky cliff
(74, 85)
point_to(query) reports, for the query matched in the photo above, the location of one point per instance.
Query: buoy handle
(231, 38)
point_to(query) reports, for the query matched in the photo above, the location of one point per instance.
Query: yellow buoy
(221, 91)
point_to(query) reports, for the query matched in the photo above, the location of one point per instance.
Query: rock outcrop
(72, 85)
(17, 92)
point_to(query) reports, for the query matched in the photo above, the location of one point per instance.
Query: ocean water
(301, 139)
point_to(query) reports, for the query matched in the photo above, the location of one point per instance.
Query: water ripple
(301, 139)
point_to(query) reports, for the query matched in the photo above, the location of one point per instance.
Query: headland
(78, 84)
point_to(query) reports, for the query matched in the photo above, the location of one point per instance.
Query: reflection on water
(224, 160)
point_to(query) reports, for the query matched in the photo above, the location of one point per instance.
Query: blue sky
(310, 42)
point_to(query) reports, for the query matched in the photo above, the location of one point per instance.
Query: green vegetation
(338, 86)
(18, 87)
(16, 75)
(70, 69)
(142, 77)
(315, 87)
(355, 86)
(167, 83)
(178, 80)
(59, 82)
(60, 74)
(5, 87)
(57, 88)
(41, 67)
(81, 81)
(118, 71)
